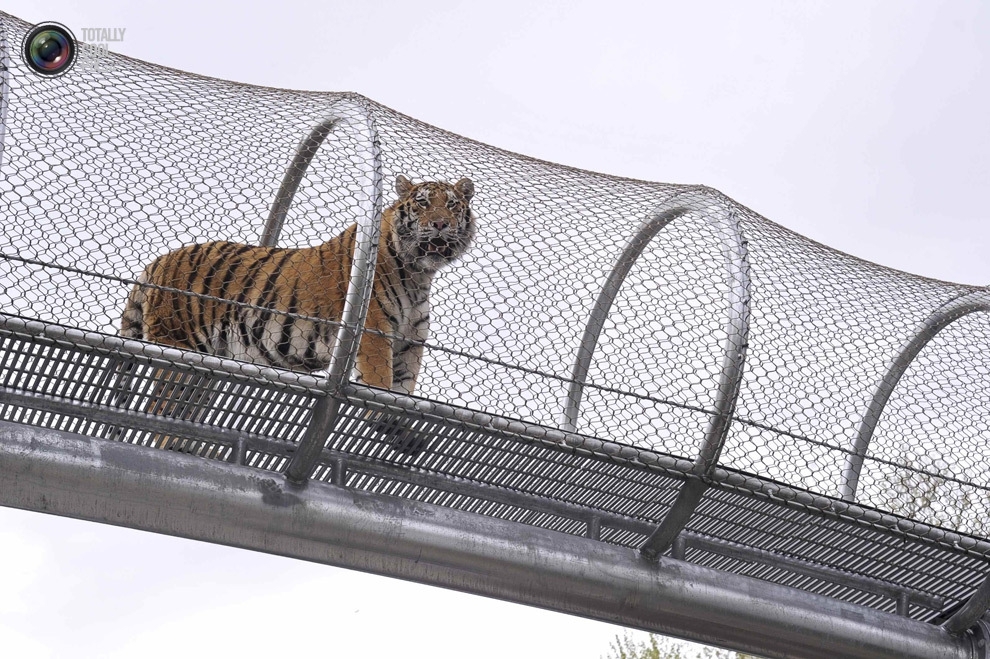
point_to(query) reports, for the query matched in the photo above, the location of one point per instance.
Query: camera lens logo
(49, 49)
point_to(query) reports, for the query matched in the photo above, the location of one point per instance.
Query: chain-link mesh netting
(105, 169)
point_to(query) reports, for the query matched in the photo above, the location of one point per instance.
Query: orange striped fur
(265, 305)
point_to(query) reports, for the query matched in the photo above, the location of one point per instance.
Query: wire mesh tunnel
(612, 364)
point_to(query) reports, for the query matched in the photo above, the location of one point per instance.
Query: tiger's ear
(402, 185)
(465, 187)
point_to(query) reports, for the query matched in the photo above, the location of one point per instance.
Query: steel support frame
(979, 602)
(358, 295)
(941, 318)
(736, 254)
(106, 482)
(294, 174)
(341, 462)
(167, 492)
(971, 611)
(385, 401)
(736, 257)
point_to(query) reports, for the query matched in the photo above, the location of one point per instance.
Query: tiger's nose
(439, 224)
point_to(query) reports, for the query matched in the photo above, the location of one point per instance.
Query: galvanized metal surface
(968, 614)
(293, 177)
(79, 477)
(4, 88)
(487, 464)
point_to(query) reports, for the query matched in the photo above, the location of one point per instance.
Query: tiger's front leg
(406, 364)
(383, 361)
(407, 358)
(374, 358)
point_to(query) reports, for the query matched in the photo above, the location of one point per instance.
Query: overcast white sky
(863, 125)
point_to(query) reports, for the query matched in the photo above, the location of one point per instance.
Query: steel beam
(293, 177)
(341, 463)
(344, 111)
(784, 495)
(176, 494)
(942, 317)
(358, 296)
(380, 400)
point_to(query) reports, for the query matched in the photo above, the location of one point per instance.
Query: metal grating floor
(55, 377)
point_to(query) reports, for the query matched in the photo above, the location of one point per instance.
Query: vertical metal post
(239, 456)
(735, 251)
(594, 528)
(903, 604)
(338, 472)
(4, 89)
(358, 295)
(679, 550)
(949, 312)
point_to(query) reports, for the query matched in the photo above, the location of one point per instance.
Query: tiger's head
(432, 221)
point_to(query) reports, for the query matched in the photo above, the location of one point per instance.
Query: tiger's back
(281, 306)
(225, 299)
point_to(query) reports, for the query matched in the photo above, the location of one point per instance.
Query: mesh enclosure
(731, 351)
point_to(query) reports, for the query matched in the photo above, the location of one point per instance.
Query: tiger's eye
(423, 201)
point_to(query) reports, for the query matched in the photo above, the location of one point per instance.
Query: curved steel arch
(942, 317)
(305, 153)
(596, 321)
(361, 279)
(4, 90)
(734, 249)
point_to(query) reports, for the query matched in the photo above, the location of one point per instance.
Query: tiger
(265, 304)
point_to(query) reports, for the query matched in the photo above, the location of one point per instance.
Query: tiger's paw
(398, 435)
(410, 443)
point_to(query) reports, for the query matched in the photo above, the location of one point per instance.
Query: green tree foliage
(661, 647)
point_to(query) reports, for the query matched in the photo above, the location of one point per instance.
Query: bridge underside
(488, 505)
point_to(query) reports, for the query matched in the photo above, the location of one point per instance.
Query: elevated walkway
(641, 403)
